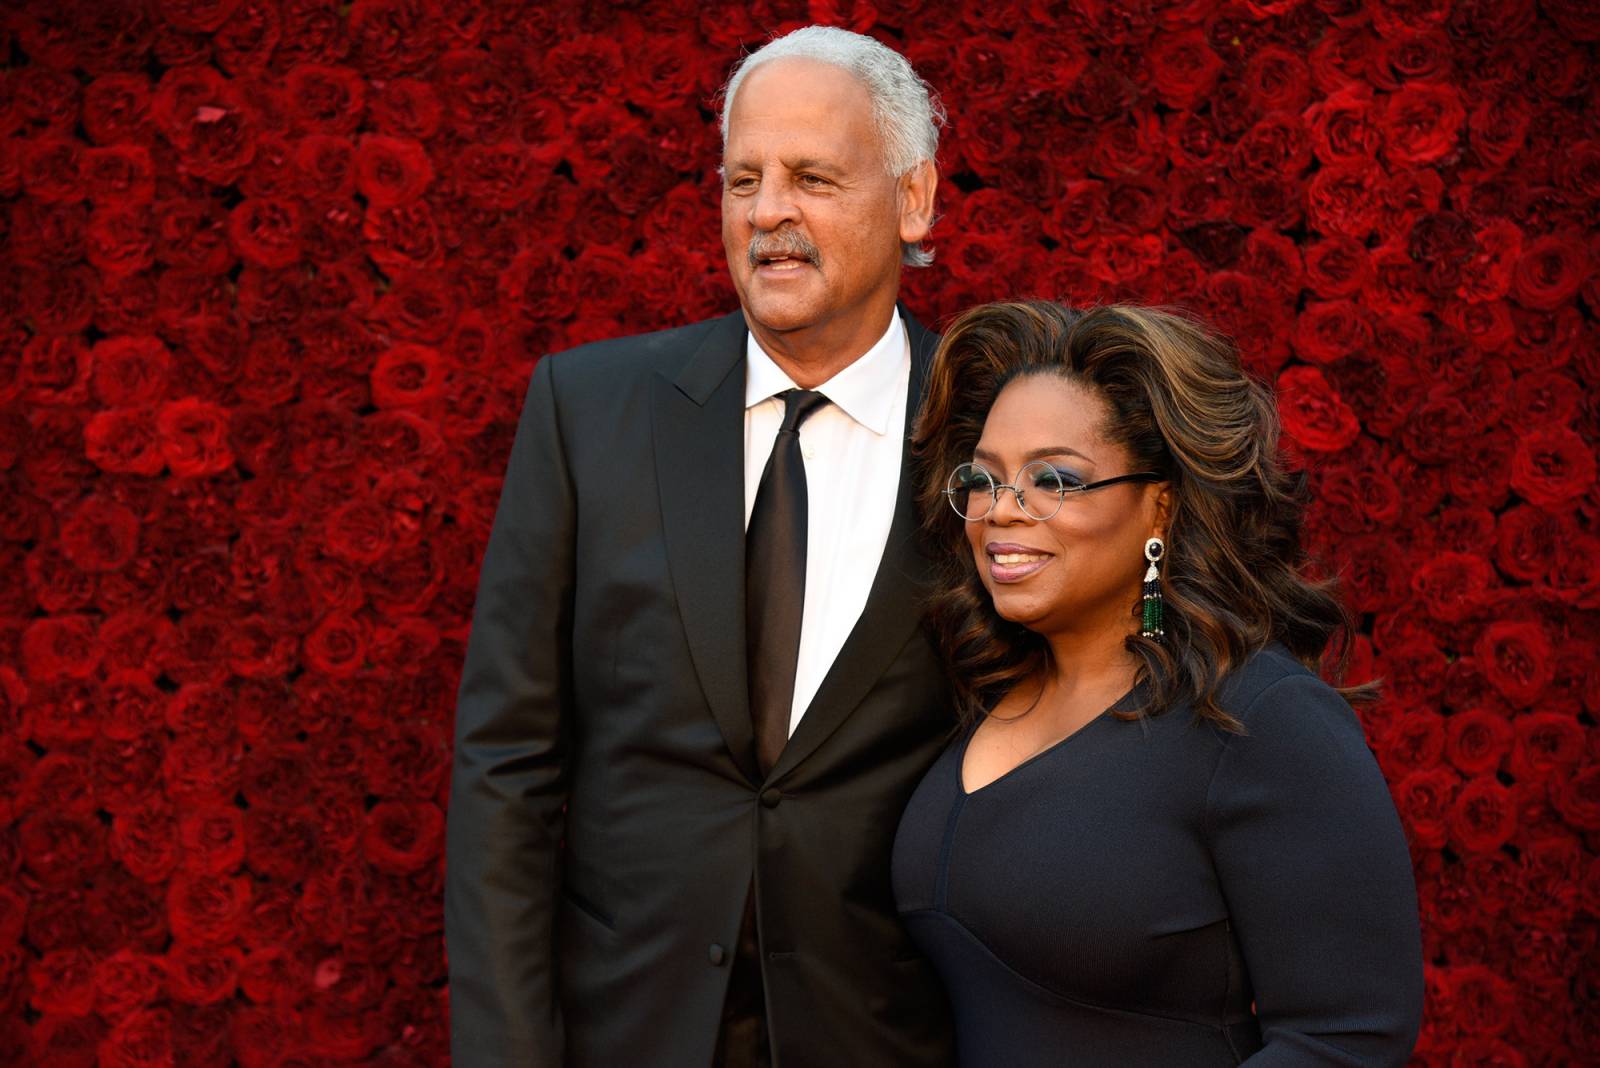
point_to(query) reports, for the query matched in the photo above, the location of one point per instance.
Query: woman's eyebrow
(1034, 454)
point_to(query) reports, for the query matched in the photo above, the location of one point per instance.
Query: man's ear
(916, 189)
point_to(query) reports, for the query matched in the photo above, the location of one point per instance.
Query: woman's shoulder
(1272, 691)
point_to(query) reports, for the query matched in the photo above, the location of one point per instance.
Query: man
(682, 750)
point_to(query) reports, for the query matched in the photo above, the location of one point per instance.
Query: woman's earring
(1154, 549)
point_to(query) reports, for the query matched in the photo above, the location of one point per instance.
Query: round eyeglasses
(1040, 488)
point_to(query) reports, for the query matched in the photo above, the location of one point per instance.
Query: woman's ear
(1163, 509)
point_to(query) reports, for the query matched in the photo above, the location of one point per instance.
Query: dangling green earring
(1154, 549)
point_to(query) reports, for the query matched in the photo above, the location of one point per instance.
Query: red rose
(59, 782)
(206, 119)
(206, 909)
(200, 769)
(391, 171)
(1343, 199)
(1420, 123)
(274, 976)
(1183, 68)
(1412, 741)
(125, 981)
(282, 843)
(1577, 797)
(66, 1041)
(119, 174)
(1424, 799)
(190, 235)
(212, 839)
(54, 371)
(266, 231)
(62, 982)
(1516, 659)
(325, 99)
(411, 761)
(60, 849)
(1484, 816)
(1485, 1003)
(1342, 130)
(407, 108)
(141, 1039)
(144, 841)
(325, 165)
(1548, 745)
(673, 69)
(275, 776)
(1477, 741)
(59, 647)
(418, 307)
(194, 437)
(116, 109)
(407, 375)
(101, 535)
(203, 974)
(129, 371)
(404, 237)
(1313, 412)
(1453, 586)
(480, 93)
(1550, 272)
(1330, 330)
(125, 769)
(1552, 466)
(403, 836)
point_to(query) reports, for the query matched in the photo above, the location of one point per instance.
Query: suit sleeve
(1317, 876)
(509, 786)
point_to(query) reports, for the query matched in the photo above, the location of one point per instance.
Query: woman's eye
(1055, 480)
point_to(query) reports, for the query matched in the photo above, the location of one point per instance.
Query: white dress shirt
(852, 456)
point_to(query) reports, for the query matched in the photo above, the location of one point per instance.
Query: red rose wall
(274, 276)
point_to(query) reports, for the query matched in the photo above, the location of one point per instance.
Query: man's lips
(781, 264)
(1009, 562)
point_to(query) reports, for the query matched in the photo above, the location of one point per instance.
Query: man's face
(806, 191)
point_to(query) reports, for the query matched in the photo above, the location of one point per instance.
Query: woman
(1160, 839)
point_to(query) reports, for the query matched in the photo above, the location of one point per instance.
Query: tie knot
(798, 404)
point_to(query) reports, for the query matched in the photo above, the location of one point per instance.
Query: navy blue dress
(1126, 896)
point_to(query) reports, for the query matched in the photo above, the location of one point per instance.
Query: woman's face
(1080, 570)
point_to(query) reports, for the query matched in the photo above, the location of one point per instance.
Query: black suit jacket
(607, 814)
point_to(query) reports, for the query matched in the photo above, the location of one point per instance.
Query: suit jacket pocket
(585, 906)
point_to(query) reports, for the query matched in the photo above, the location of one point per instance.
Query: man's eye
(812, 180)
(741, 185)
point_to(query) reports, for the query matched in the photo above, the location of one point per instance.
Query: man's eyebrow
(1034, 454)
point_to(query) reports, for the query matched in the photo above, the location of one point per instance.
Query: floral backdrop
(274, 276)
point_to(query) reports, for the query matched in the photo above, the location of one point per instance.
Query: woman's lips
(1013, 563)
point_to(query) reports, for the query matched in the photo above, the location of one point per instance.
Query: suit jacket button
(716, 954)
(771, 796)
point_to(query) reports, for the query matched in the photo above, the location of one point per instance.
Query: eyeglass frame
(1061, 495)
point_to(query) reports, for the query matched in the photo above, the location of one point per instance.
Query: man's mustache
(784, 243)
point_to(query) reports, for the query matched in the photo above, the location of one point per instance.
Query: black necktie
(775, 579)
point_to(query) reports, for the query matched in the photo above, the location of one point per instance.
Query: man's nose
(773, 205)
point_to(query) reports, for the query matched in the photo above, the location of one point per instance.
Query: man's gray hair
(905, 108)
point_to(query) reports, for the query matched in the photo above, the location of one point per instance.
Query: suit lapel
(699, 449)
(894, 606)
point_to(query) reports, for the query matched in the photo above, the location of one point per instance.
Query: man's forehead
(794, 87)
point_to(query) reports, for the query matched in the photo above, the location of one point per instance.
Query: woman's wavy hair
(1182, 406)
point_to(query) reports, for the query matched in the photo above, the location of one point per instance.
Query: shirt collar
(865, 390)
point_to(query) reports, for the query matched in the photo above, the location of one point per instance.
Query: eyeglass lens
(972, 490)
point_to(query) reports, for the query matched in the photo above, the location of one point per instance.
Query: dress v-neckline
(961, 762)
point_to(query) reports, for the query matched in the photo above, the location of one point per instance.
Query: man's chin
(779, 314)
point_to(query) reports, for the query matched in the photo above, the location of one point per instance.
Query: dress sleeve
(1314, 867)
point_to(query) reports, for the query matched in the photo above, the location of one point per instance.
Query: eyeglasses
(973, 492)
